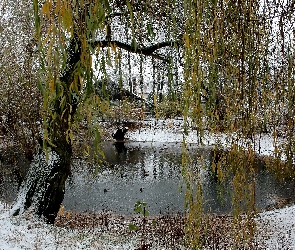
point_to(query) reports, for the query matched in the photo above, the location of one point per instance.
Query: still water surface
(151, 172)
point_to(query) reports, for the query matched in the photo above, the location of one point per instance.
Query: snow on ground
(171, 130)
(276, 229)
(28, 233)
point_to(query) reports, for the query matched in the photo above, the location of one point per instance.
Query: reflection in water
(135, 171)
(152, 173)
(120, 147)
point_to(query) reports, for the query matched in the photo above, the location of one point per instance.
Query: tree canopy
(228, 64)
(225, 47)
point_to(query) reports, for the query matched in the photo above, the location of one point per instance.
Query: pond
(151, 173)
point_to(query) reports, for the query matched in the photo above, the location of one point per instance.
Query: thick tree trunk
(43, 190)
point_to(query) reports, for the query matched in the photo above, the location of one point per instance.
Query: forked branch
(148, 51)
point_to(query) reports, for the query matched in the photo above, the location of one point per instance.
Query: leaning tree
(237, 60)
(69, 34)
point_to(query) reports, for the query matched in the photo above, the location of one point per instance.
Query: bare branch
(148, 51)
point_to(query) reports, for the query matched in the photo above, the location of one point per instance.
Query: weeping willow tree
(69, 35)
(235, 82)
(229, 64)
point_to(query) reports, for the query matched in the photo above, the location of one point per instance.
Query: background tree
(21, 100)
(233, 78)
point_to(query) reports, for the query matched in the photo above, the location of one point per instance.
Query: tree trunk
(44, 188)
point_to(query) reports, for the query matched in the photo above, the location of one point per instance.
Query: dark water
(151, 173)
(135, 171)
(13, 169)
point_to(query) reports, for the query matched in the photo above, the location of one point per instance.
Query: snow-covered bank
(277, 228)
(29, 233)
(171, 130)
(275, 231)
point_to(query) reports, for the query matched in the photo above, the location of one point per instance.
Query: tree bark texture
(43, 190)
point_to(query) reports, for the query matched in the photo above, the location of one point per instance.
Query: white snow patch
(277, 228)
(171, 130)
(29, 233)
(275, 231)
